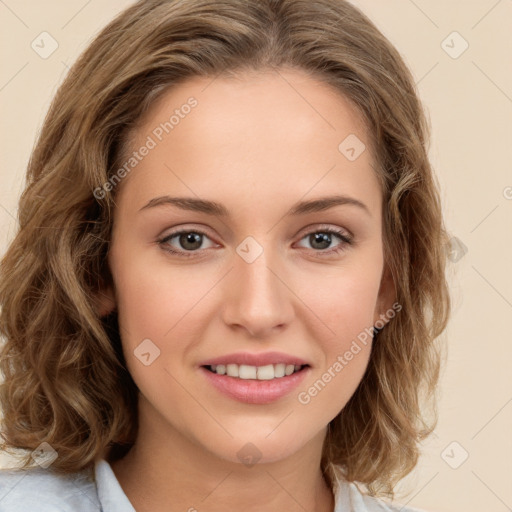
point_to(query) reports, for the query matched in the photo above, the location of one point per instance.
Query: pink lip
(253, 391)
(261, 359)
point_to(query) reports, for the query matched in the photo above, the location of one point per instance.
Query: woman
(175, 337)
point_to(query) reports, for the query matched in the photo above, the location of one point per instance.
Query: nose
(258, 298)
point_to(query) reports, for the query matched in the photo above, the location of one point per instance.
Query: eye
(321, 239)
(188, 240)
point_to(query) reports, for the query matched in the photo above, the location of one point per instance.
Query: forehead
(280, 133)
(290, 100)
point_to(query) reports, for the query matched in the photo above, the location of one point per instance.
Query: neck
(178, 474)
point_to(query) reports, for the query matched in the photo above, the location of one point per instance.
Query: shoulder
(39, 489)
(349, 497)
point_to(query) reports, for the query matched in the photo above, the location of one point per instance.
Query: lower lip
(253, 391)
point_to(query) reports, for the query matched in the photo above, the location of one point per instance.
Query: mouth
(249, 372)
(257, 385)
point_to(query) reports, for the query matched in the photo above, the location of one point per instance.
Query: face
(240, 271)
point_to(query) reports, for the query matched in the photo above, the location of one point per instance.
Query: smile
(246, 372)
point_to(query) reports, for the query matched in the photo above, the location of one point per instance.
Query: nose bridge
(260, 300)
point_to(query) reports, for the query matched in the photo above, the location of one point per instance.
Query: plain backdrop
(465, 81)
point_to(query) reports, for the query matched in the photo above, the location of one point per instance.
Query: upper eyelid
(323, 226)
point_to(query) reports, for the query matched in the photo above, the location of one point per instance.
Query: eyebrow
(219, 210)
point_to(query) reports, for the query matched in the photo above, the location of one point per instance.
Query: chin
(258, 449)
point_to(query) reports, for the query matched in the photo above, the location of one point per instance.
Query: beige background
(469, 100)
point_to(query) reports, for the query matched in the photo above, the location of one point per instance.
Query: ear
(385, 300)
(105, 301)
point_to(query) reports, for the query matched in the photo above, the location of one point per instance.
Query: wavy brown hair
(65, 379)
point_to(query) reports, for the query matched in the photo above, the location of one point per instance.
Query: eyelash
(345, 241)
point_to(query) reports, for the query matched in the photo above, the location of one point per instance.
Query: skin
(257, 144)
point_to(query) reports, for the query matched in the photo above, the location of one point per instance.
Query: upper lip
(252, 359)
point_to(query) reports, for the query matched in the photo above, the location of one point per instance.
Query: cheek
(326, 394)
(167, 305)
(153, 296)
(343, 300)
(347, 309)
(160, 304)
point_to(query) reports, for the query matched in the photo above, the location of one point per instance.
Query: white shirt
(40, 490)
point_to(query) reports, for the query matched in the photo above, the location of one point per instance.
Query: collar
(110, 493)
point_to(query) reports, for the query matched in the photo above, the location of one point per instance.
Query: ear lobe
(105, 301)
(385, 299)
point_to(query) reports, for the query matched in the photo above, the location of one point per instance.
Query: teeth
(245, 371)
(232, 370)
(264, 372)
(279, 370)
